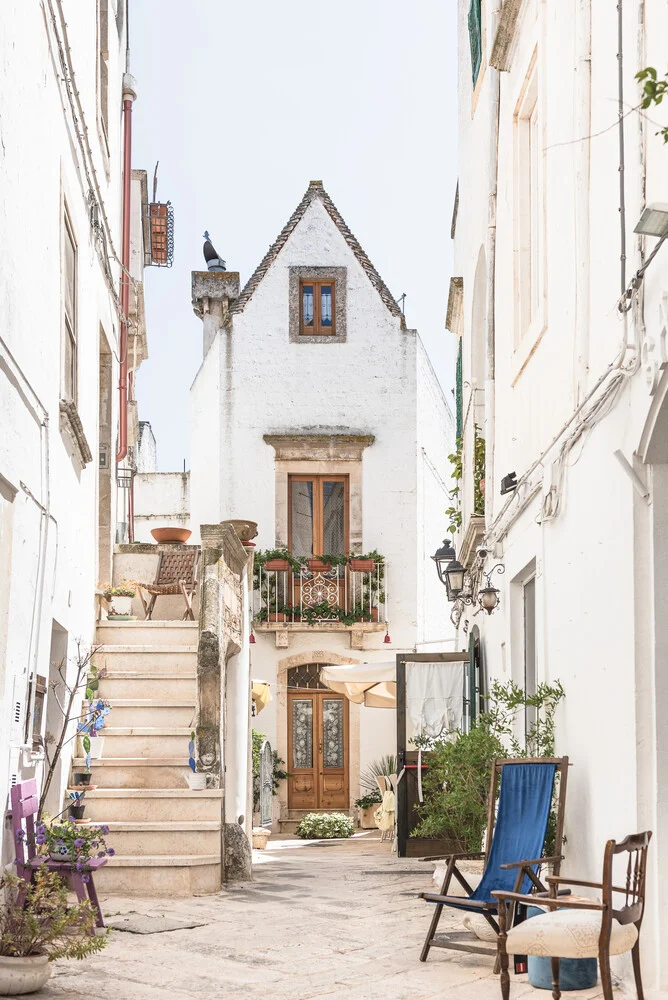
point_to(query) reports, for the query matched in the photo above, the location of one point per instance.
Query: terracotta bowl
(171, 534)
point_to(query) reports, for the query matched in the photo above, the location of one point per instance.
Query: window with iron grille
(306, 677)
(475, 38)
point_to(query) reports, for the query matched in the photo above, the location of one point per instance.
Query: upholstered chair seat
(568, 934)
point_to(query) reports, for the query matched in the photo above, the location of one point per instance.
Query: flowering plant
(71, 842)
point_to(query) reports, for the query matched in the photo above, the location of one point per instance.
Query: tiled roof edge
(316, 190)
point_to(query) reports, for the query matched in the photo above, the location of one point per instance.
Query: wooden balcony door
(317, 750)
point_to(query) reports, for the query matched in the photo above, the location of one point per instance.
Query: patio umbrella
(261, 694)
(370, 684)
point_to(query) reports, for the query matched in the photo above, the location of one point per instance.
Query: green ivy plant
(454, 512)
(325, 826)
(478, 472)
(653, 92)
(456, 785)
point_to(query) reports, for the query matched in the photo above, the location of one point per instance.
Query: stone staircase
(289, 821)
(167, 838)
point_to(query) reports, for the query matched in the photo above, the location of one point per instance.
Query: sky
(243, 104)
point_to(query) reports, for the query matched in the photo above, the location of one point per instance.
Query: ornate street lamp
(488, 597)
(450, 571)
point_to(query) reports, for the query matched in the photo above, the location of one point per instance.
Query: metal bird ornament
(213, 261)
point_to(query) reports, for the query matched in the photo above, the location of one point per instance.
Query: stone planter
(23, 975)
(246, 530)
(261, 835)
(368, 817)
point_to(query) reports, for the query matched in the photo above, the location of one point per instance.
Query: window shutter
(475, 38)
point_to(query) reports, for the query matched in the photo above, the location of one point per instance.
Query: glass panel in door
(334, 540)
(301, 502)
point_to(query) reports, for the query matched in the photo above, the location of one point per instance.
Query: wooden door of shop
(317, 750)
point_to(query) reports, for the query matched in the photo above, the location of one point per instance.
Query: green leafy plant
(126, 588)
(456, 785)
(77, 843)
(454, 511)
(478, 472)
(325, 826)
(382, 767)
(278, 772)
(36, 919)
(653, 92)
(372, 799)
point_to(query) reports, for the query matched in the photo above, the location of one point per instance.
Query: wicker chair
(177, 574)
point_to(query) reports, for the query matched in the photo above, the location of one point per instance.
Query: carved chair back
(631, 912)
(25, 804)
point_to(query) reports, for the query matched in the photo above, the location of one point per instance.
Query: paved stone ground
(333, 920)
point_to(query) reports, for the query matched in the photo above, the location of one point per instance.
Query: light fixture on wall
(488, 597)
(387, 633)
(653, 221)
(450, 570)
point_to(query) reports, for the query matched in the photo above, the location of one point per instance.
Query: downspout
(582, 156)
(129, 95)
(490, 332)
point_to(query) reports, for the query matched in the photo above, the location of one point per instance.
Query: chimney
(212, 292)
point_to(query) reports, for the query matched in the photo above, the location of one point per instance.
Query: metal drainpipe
(490, 333)
(582, 157)
(129, 96)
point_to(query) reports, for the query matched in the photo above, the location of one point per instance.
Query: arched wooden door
(318, 756)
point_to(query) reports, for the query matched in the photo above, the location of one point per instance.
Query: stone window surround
(319, 454)
(336, 274)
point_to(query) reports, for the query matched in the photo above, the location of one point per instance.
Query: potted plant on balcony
(37, 926)
(324, 564)
(362, 564)
(275, 561)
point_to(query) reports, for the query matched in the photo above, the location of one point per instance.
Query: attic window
(317, 316)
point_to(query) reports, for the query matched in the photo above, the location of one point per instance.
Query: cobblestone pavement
(334, 920)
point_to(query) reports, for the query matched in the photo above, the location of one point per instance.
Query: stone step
(107, 805)
(153, 712)
(169, 838)
(153, 633)
(145, 742)
(169, 659)
(159, 875)
(133, 684)
(138, 772)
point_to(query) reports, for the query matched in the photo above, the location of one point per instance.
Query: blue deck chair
(513, 847)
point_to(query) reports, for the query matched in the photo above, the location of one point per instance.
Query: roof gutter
(129, 96)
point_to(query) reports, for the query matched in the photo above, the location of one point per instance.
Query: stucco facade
(268, 403)
(59, 505)
(568, 395)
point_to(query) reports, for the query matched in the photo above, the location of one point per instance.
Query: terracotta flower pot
(276, 566)
(318, 566)
(362, 565)
(276, 616)
(171, 534)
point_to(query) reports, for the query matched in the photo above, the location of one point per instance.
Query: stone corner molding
(70, 422)
(506, 31)
(319, 447)
(455, 305)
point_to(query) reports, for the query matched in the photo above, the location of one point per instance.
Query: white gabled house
(316, 414)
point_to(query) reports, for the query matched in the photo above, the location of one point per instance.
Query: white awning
(370, 684)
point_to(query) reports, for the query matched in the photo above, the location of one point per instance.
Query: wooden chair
(25, 804)
(513, 846)
(176, 574)
(581, 928)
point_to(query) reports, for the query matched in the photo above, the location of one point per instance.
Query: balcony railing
(318, 592)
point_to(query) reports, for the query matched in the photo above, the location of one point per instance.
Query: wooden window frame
(317, 330)
(318, 510)
(70, 330)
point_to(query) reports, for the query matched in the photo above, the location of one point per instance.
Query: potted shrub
(119, 599)
(38, 926)
(65, 841)
(368, 806)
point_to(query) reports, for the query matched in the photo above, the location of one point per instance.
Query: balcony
(332, 594)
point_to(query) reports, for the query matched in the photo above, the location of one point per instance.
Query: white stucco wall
(255, 381)
(162, 500)
(40, 171)
(596, 592)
